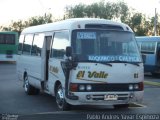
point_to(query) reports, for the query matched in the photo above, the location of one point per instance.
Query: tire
(29, 89)
(60, 99)
(121, 106)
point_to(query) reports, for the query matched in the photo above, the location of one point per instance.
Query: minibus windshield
(104, 46)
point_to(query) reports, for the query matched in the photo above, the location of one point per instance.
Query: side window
(10, 39)
(7, 38)
(2, 39)
(60, 42)
(21, 40)
(27, 44)
(148, 47)
(37, 45)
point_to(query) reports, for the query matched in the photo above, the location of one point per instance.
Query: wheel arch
(24, 74)
(57, 83)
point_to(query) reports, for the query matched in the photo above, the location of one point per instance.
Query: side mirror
(68, 51)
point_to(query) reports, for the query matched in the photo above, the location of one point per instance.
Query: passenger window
(20, 45)
(2, 39)
(37, 45)
(7, 39)
(27, 44)
(10, 39)
(148, 47)
(60, 42)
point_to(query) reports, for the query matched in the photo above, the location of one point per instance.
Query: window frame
(52, 42)
(23, 38)
(30, 45)
(39, 37)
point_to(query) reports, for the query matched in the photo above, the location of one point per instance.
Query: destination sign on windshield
(114, 58)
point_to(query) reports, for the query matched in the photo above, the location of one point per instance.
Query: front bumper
(97, 98)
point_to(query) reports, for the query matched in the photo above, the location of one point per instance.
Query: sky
(24, 9)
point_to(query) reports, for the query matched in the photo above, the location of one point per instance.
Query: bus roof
(75, 23)
(148, 38)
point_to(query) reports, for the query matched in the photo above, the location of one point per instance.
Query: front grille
(110, 87)
(120, 87)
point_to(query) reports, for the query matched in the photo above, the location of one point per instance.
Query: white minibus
(82, 61)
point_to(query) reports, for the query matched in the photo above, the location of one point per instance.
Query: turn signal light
(141, 86)
(73, 87)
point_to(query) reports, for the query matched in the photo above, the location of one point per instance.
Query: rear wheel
(29, 89)
(60, 99)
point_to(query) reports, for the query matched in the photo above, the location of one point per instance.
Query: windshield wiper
(92, 61)
(118, 61)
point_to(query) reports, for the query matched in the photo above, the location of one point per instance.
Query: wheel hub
(26, 83)
(60, 97)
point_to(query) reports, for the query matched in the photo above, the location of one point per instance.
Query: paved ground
(13, 101)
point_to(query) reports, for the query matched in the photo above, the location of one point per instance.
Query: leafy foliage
(99, 10)
(118, 11)
(19, 25)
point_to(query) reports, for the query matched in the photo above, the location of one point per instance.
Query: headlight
(130, 87)
(136, 86)
(81, 87)
(89, 87)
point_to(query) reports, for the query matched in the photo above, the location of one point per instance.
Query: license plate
(110, 97)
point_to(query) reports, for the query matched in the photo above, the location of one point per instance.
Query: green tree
(158, 26)
(106, 10)
(116, 11)
(141, 25)
(123, 12)
(75, 12)
(18, 26)
(138, 25)
(14, 26)
(38, 20)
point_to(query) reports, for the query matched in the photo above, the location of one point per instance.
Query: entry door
(47, 53)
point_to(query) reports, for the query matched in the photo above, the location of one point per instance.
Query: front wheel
(60, 99)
